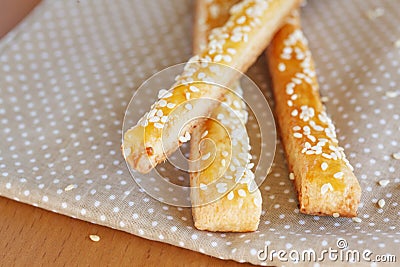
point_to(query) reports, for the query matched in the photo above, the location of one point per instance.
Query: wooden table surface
(35, 237)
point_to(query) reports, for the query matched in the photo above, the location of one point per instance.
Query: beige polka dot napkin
(68, 71)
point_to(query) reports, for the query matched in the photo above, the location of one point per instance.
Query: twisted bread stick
(322, 175)
(249, 29)
(236, 209)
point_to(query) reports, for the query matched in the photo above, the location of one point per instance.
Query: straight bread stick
(323, 177)
(235, 209)
(237, 43)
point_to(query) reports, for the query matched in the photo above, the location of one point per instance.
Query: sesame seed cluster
(232, 160)
(225, 45)
(314, 129)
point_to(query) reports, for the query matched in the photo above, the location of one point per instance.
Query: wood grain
(12, 12)
(35, 237)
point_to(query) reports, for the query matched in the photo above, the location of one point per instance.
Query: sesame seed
(164, 119)
(203, 186)
(312, 138)
(162, 93)
(296, 128)
(236, 38)
(296, 81)
(397, 43)
(94, 238)
(281, 67)
(154, 119)
(188, 106)
(162, 103)
(290, 103)
(242, 193)
(289, 90)
(194, 89)
(338, 175)
(182, 139)
(356, 219)
(171, 105)
(326, 156)
(158, 125)
(325, 188)
(324, 99)
(294, 97)
(391, 94)
(241, 20)
(375, 13)
(231, 51)
(396, 155)
(318, 128)
(381, 203)
(336, 215)
(225, 153)
(221, 187)
(187, 136)
(230, 195)
(257, 202)
(227, 58)
(144, 122)
(287, 50)
(152, 113)
(187, 95)
(298, 135)
(223, 162)
(201, 75)
(70, 187)
(204, 134)
(294, 113)
(206, 156)
(324, 166)
(384, 183)
(236, 104)
(291, 176)
(218, 57)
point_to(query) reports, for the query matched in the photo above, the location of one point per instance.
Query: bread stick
(323, 177)
(232, 208)
(243, 37)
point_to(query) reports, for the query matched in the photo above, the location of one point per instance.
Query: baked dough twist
(233, 208)
(237, 44)
(323, 177)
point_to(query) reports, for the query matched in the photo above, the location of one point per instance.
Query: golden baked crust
(323, 177)
(238, 43)
(209, 14)
(236, 209)
(224, 194)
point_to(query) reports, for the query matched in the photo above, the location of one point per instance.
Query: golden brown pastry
(209, 14)
(233, 208)
(323, 177)
(237, 43)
